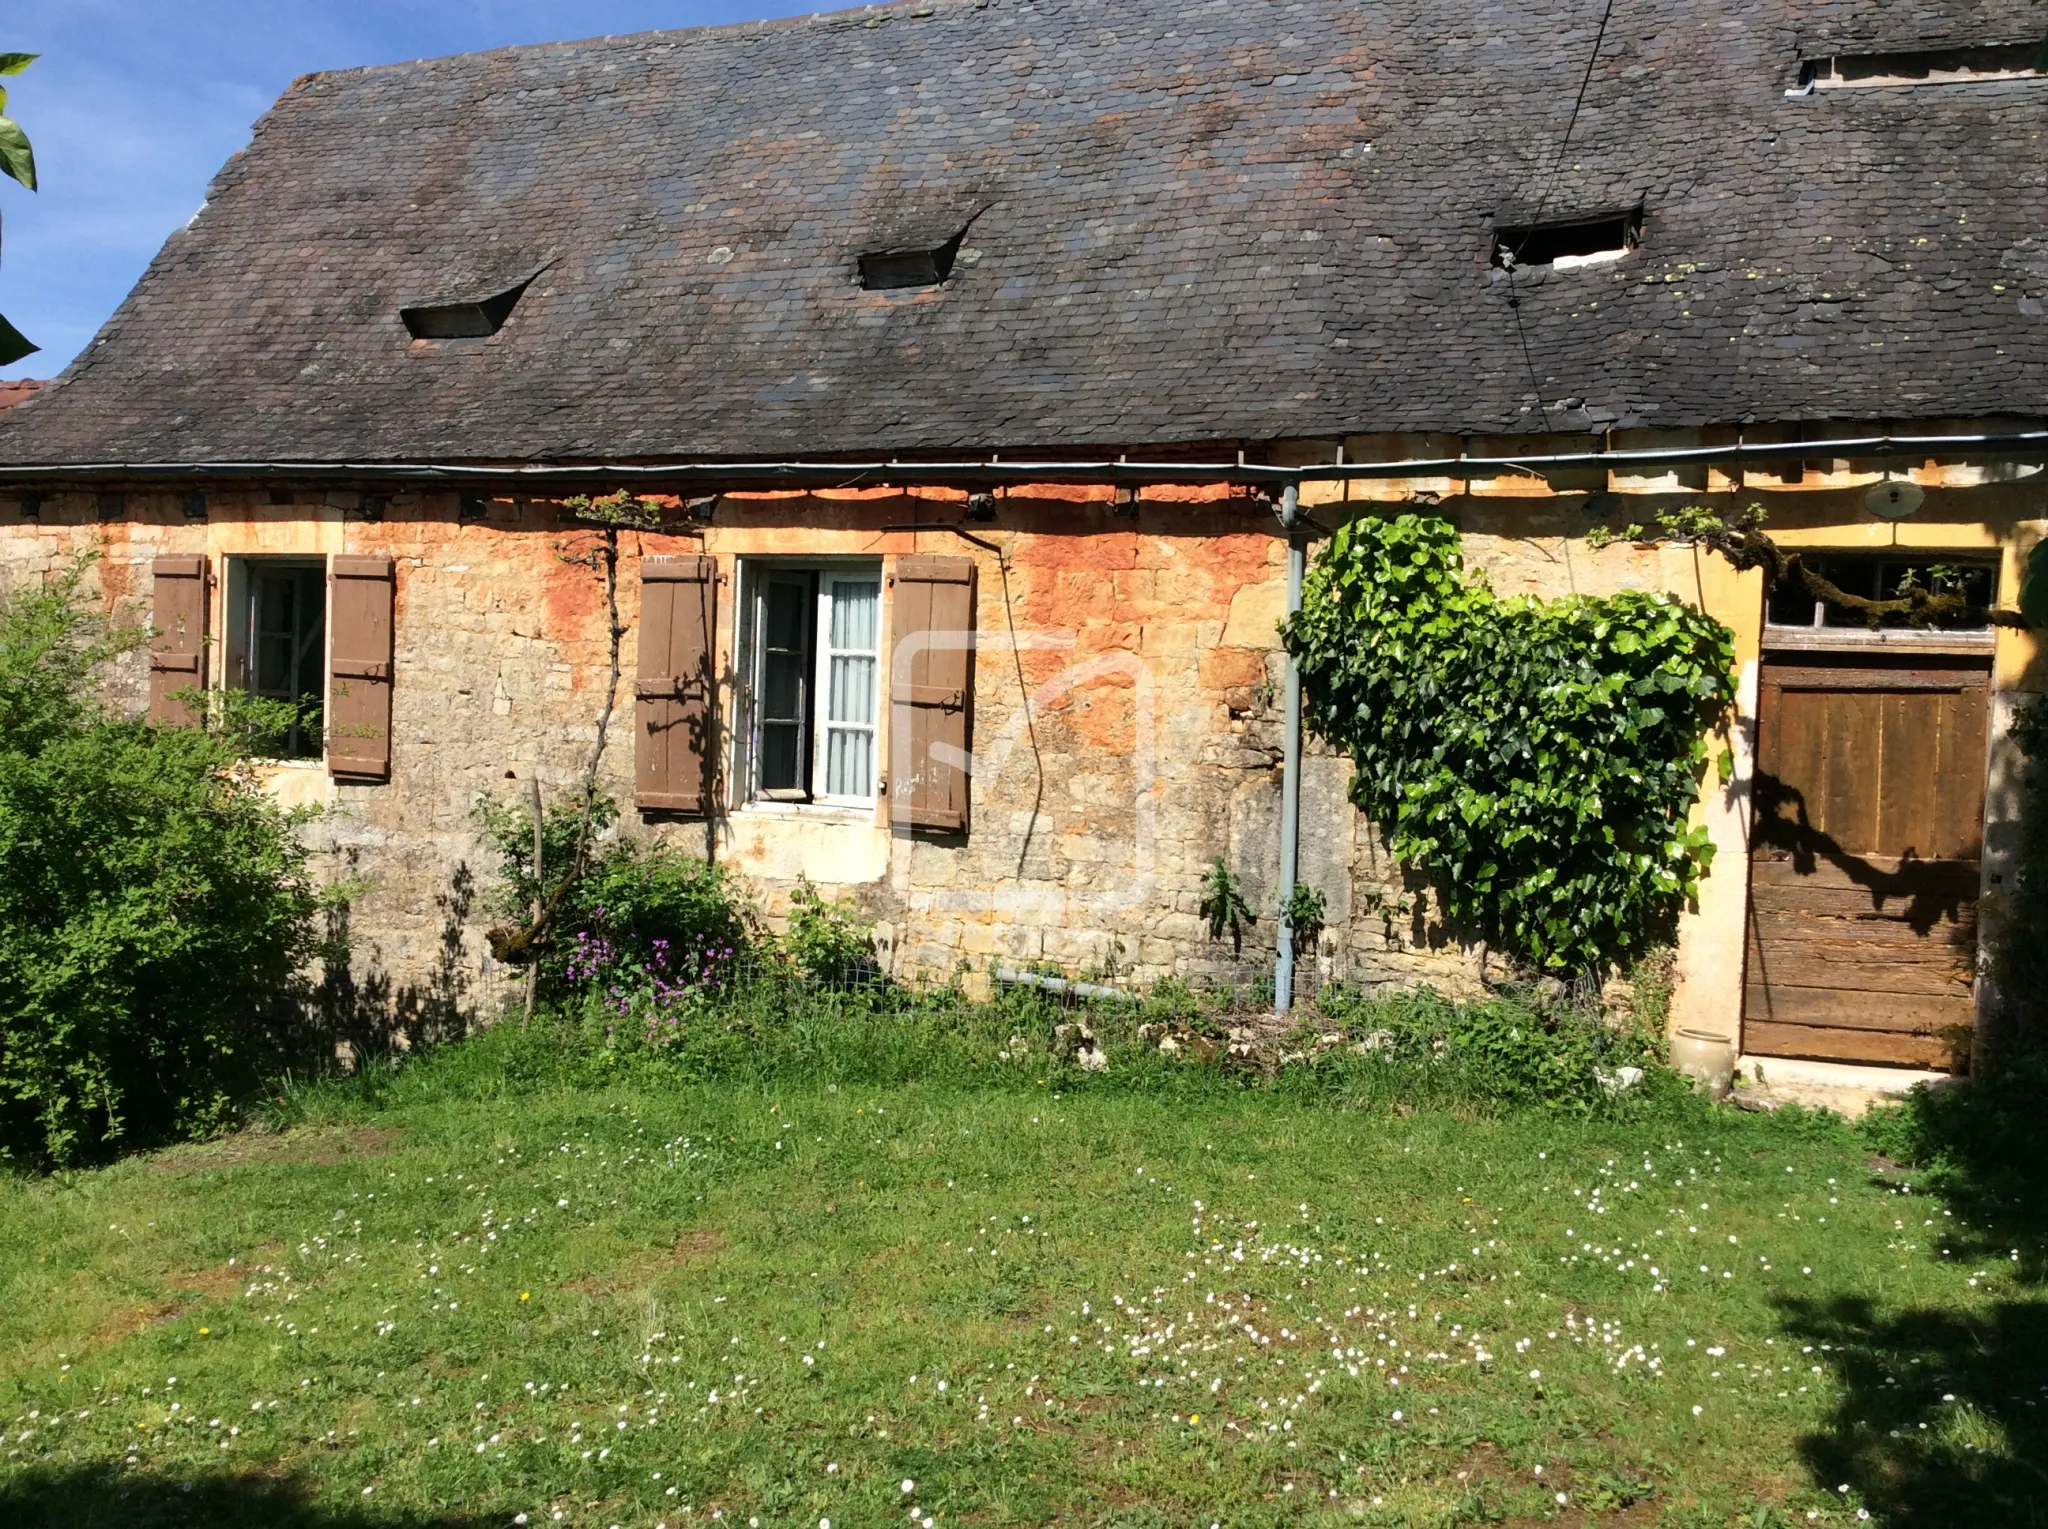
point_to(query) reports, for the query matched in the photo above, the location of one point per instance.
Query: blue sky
(136, 103)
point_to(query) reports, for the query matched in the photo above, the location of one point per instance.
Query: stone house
(977, 349)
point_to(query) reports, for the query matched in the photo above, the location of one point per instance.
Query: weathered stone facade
(1144, 633)
(1147, 643)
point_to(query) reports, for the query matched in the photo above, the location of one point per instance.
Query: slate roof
(1186, 220)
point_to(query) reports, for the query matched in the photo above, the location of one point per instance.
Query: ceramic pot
(1706, 1057)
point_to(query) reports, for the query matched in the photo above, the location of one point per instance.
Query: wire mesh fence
(763, 1016)
(770, 983)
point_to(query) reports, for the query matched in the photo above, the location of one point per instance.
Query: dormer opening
(895, 270)
(1568, 242)
(472, 320)
(1925, 66)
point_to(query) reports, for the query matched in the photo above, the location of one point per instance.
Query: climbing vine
(1538, 757)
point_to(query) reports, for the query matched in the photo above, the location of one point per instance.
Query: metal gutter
(896, 471)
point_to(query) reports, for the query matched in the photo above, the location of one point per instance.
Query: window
(1569, 242)
(1882, 578)
(461, 321)
(1926, 66)
(812, 650)
(277, 642)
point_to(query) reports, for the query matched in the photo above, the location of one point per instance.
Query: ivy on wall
(1537, 758)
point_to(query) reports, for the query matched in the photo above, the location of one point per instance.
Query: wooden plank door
(1864, 859)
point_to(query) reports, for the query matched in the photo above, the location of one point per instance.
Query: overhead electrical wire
(1556, 166)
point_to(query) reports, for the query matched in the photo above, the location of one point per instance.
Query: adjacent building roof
(1177, 220)
(12, 393)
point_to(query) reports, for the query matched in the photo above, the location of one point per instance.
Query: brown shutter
(359, 685)
(932, 691)
(177, 646)
(672, 706)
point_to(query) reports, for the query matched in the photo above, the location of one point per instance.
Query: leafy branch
(17, 162)
(1304, 914)
(1741, 539)
(1224, 907)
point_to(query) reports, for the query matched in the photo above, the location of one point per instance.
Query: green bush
(640, 914)
(828, 943)
(2023, 934)
(155, 910)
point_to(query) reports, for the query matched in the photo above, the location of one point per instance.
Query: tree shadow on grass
(1943, 1414)
(106, 1496)
(1943, 1411)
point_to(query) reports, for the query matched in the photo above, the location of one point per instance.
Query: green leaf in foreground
(14, 344)
(2034, 587)
(17, 159)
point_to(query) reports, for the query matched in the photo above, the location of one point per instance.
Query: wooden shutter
(672, 697)
(177, 646)
(931, 692)
(359, 683)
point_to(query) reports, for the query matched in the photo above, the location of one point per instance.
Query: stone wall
(1145, 635)
(1147, 642)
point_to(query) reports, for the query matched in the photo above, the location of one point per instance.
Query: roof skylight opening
(461, 321)
(1925, 66)
(1569, 242)
(893, 270)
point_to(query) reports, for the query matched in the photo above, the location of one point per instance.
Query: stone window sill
(811, 812)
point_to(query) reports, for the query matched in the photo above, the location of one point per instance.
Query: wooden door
(1864, 859)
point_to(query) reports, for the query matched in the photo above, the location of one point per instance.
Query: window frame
(238, 670)
(824, 724)
(755, 574)
(1833, 563)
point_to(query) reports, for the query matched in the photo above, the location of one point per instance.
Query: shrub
(827, 943)
(2023, 933)
(666, 910)
(639, 916)
(155, 909)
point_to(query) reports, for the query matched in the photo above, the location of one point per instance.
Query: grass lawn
(677, 1304)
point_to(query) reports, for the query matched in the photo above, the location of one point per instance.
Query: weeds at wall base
(1392, 1054)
